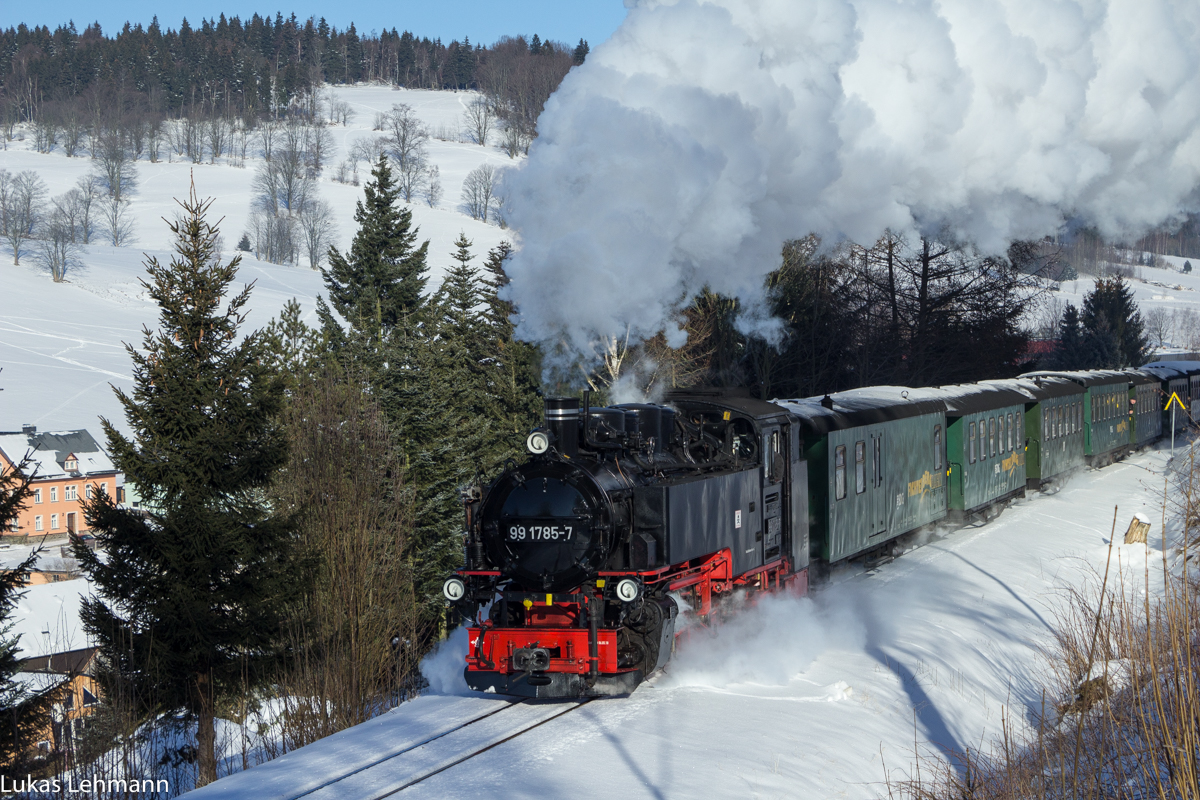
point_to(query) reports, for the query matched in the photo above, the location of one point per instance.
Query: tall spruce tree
(1069, 352)
(518, 363)
(451, 433)
(24, 715)
(1114, 334)
(378, 284)
(192, 592)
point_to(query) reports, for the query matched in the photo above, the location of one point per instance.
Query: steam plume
(706, 132)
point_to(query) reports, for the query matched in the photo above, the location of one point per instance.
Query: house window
(71, 464)
(53, 494)
(89, 699)
(878, 441)
(104, 488)
(37, 495)
(13, 525)
(971, 439)
(860, 467)
(54, 522)
(992, 437)
(937, 447)
(87, 491)
(71, 492)
(37, 522)
(839, 472)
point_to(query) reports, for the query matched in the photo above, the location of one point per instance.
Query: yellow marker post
(549, 599)
(1171, 403)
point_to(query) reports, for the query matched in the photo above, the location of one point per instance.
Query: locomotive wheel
(638, 640)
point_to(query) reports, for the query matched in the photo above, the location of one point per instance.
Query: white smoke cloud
(706, 132)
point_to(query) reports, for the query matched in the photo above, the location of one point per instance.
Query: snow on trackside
(817, 697)
(61, 345)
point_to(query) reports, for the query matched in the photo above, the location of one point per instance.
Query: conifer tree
(192, 593)
(451, 434)
(518, 363)
(378, 284)
(1114, 333)
(1068, 353)
(24, 715)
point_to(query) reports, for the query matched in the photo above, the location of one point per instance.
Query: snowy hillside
(817, 698)
(61, 344)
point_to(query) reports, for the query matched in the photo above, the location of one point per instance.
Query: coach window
(992, 437)
(839, 472)
(971, 440)
(860, 467)
(937, 447)
(878, 442)
(1010, 433)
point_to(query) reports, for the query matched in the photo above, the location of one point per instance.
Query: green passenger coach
(1106, 423)
(881, 457)
(985, 447)
(1053, 427)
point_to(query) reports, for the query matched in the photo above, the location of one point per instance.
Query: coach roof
(858, 407)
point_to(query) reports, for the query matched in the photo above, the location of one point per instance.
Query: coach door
(774, 494)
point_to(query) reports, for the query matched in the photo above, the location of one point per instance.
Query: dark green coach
(876, 467)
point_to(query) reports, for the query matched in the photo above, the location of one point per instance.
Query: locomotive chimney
(562, 420)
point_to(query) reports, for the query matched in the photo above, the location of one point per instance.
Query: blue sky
(482, 20)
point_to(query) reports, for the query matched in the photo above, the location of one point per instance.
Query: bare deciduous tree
(21, 198)
(55, 248)
(478, 190)
(117, 222)
(317, 230)
(433, 186)
(407, 136)
(219, 133)
(1158, 326)
(368, 149)
(118, 171)
(478, 119)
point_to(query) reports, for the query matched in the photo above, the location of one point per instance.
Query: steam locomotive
(580, 560)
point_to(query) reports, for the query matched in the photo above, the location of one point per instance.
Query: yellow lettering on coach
(925, 483)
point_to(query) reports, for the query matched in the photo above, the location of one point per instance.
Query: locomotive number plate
(535, 533)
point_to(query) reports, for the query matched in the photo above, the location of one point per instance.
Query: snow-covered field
(61, 344)
(814, 698)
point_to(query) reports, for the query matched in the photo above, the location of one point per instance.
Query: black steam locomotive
(586, 551)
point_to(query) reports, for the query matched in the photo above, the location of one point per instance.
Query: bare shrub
(317, 230)
(352, 639)
(116, 222)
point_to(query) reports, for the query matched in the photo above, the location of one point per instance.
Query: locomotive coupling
(531, 659)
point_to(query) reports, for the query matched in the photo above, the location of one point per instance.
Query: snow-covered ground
(813, 698)
(61, 344)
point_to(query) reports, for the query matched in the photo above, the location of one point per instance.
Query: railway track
(418, 762)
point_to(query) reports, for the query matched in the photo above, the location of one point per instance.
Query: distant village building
(67, 468)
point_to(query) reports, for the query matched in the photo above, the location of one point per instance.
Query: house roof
(49, 450)
(71, 662)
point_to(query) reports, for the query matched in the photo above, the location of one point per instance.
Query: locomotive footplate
(559, 684)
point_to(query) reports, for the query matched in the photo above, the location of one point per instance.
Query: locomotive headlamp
(628, 590)
(537, 443)
(454, 589)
